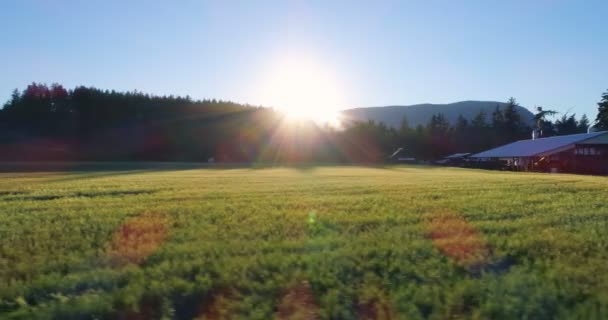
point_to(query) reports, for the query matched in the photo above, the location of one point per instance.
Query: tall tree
(498, 132)
(513, 124)
(498, 119)
(583, 124)
(438, 130)
(602, 112)
(543, 126)
(566, 125)
(404, 128)
(461, 123)
(461, 136)
(15, 97)
(479, 121)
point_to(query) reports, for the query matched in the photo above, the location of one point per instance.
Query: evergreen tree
(480, 138)
(512, 120)
(462, 123)
(544, 127)
(15, 97)
(498, 119)
(461, 136)
(404, 128)
(566, 125)
(583, 124)
(479, 121)
(498, 132)
(541, 115)
(438, 130)
(547, 128)
(602, 113)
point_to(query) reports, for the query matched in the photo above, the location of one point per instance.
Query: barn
(576, 153)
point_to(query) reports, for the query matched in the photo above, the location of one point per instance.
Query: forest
(45, 123)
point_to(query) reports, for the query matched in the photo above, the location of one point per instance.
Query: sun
(304, 90)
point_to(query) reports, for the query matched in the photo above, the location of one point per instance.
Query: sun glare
(304, 90)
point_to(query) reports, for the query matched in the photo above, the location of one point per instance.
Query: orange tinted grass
(137, 238)
(457, 239)
(297, 303)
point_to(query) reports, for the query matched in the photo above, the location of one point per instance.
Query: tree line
(53, 123)
(439, 137)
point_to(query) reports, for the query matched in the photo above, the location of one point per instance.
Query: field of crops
(303, 243)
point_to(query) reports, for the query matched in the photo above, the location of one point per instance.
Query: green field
(303, 243)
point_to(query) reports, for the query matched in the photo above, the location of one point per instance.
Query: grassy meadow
(302, 243)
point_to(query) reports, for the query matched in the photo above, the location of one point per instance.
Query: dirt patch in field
(458, 239)
(216, 305)
(148, 310)
(298, 303)
(375, 309)
(137, 238)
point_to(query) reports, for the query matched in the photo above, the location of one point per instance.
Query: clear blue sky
(549, 53)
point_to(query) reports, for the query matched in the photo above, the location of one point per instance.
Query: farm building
(577, 153)
(456, 159)
(401, 156)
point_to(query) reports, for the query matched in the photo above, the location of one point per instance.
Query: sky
(351, 53)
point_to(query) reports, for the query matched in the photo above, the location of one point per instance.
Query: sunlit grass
(353, 242)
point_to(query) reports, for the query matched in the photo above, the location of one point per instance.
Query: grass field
(303, 243)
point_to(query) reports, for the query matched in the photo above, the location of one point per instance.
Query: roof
(398, 151)
(542, 146)
(457, 155)
(602, 139)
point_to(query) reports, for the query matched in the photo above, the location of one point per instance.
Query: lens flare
(304, 90)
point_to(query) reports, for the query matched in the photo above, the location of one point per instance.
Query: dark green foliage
(52, 123)
(569, 125)
(91, 124)
(583, 124)
(602, 112)
(544, 127)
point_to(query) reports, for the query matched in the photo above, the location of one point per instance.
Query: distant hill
(421, 113)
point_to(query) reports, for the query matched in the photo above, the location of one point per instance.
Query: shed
(457, 159)
(401, 156)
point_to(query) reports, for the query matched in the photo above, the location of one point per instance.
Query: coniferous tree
(512, 121)
(461, 123)
(602, 113)
(583, 124)
(498, 127)
(438, 130)
(542, 126)
(566, 125)
(404, 128)
(479, 121)
(498, 119)
(461, 136)
(480, 137)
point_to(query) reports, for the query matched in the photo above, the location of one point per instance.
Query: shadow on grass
(72, 171)
(33, 166)
(22, 196)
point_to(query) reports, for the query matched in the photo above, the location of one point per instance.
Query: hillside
(421, 113)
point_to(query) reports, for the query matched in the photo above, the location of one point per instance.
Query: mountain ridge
(420, 114)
